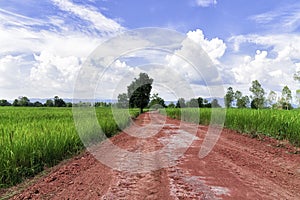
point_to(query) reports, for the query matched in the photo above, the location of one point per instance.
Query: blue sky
(45, 43)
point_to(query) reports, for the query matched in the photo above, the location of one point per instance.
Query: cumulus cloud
(205, 58)
(215, 47)
(204, 54)
(14, 70)
(273, 65)
(206, 3)
(54, 71)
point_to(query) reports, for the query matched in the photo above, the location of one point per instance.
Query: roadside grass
(279, 124)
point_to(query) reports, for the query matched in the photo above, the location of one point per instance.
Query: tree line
(258, 98)
(138, 96)
(24, 101)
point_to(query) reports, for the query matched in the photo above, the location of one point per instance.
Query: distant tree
(24, 101)
(69, 104)
(97, 104)
(171, 105)
(85, 104)
(49, 103)
(157, 102)
(238, 95)
(215, 103)
(181, 103)
(254, 103)
(271, 99)
(206, 104)
(297, 76)
(286, 98)
(58, 102)
(123, 101)
(16, 102)
(4, 102)
(243, 102)
(258, 92)
(200, 102)
(139, 91)
(193, 103)
(298, 97)
(37, 104)
(229, 97)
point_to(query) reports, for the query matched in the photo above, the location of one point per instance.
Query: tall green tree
(258, 97)
(139, 91)
(243, 102)
(286, 98)
(229, 97)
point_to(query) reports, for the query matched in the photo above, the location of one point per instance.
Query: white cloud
(41, 58)
(273, 66)
(90, 14)
(14, 71)
(10, 70)
(284, 19)
(205, 55)
(215, 47)
(14, 19)
(206, 3)
(55, 72)
(206, 60)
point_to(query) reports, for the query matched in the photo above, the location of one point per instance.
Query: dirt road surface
(238, 167)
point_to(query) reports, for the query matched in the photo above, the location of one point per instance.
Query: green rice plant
(32, 139)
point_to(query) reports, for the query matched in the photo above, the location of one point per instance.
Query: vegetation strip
(280, 124)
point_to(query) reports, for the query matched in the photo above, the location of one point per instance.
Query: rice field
(279, 124)
(32, 139)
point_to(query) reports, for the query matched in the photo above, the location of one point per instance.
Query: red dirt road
(238, 167)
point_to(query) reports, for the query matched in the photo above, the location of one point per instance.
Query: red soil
(238, 167)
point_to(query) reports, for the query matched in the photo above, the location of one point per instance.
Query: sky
(44, 45)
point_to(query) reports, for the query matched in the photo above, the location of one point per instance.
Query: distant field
(34, 138)
(280, 124)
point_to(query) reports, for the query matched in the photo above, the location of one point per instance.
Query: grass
(32, 139)
(279, 124)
